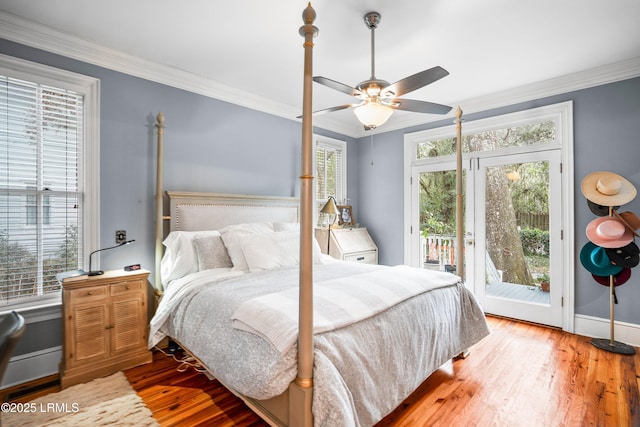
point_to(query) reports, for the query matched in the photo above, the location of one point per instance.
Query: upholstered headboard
(213, 211)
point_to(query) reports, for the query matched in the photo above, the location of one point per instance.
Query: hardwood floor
(520, 375)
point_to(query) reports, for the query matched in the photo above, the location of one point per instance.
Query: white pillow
(286, 226)
(211, 253)
(232, 236)
(180, 257)
(269, 251)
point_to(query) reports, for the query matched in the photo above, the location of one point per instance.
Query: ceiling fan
(377, 97)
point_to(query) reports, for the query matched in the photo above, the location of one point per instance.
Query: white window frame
(89, 181)
(338, 145)
(562, 114)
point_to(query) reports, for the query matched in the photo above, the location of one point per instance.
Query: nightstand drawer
(89, 293)
(363, 257)
(120, 288)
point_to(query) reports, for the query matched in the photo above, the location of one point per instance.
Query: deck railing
(438, 251)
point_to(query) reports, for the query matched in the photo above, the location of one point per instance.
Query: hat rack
(608, 190)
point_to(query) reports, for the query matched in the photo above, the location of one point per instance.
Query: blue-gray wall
(210, 146)
(606, 137)
(220, 147)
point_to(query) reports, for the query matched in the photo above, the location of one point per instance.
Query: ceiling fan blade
(341, 87)
(419, 106)
(330, 110)
(416, 81)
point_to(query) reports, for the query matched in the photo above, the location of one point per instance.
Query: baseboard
(31, 366)
(596, 327)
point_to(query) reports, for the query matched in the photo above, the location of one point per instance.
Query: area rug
(108, 401)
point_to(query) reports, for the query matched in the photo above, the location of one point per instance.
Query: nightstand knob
(90, 293)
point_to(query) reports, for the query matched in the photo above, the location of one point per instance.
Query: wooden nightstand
(348, 244)
(105, 325)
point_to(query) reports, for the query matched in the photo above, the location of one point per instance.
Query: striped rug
(108, 401)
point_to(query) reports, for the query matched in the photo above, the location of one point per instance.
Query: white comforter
(362, 370)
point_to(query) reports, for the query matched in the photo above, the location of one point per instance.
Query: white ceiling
(250, 52)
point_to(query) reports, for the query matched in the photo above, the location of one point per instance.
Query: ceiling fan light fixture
(373, 114)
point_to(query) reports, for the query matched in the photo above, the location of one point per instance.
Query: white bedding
(338, 302)
(362, 370)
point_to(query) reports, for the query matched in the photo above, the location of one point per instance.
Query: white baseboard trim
(596, 327)
(31, 366)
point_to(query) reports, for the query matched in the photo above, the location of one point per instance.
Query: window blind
(329, 172)
(41, 143)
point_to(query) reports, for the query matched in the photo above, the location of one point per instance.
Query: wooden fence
(533, 220)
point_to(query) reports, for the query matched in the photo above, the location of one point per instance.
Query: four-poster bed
(238, 277)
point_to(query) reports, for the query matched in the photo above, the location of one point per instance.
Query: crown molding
(42, 37)
(568, 83)
(39, 36)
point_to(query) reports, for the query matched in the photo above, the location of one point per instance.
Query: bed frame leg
(300, 406)
(462, 355)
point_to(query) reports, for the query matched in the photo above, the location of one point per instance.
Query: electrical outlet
(121, 236)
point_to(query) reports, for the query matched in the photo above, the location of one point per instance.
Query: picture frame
(346, 215)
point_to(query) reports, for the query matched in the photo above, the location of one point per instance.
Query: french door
(512, 262)
(518, 258)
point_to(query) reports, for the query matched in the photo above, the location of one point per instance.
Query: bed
(365, 362)
(303, 339)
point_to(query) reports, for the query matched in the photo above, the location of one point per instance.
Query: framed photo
(346, 215)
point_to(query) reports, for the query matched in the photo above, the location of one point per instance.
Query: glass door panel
(437, 210)
(518, 244)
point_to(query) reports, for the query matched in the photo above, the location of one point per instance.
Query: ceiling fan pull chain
(371, 149)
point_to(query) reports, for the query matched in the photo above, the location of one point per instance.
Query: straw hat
(609, 232)
(596, 261)
(618, 279)
(608, 189)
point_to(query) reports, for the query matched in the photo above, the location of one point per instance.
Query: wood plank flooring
(520, 375)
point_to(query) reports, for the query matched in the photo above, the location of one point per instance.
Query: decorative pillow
(180, 257)
(286, 226)
(269, 251)
(232, 236)
(211, 253)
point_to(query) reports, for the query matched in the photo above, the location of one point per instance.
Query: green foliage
(534, 241)
(19, 266)
(438, 202)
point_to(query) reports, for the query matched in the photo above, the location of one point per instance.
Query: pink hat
(609, 232)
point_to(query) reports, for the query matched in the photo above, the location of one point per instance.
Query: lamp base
(95, 273)
(614, 347)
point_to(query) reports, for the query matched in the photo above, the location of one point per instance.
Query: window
(43, 205)
(331, 175)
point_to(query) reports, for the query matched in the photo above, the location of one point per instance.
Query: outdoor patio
(513, 291)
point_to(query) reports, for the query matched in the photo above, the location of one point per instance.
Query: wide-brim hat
(618, 279)
(596, 261)
(609, 232)
(599, 210)
(630, 220)
(607, 189)
(626, 256)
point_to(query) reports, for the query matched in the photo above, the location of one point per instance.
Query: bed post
(159, 203)
(459, 199)
(301, 391)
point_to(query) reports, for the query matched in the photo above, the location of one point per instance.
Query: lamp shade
(330, 207)
(373, 114)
